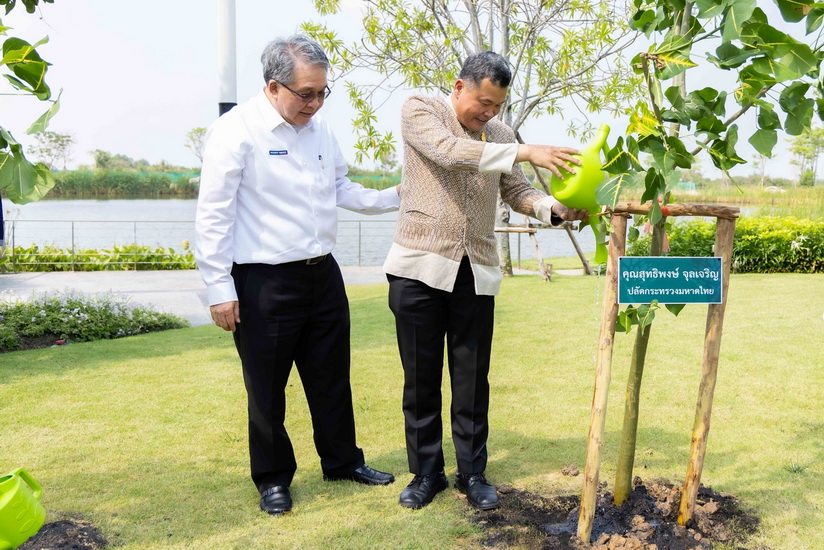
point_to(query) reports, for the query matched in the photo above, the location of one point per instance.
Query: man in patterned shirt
(443, 267)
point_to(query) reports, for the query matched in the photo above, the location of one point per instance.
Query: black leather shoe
(422, 490)
(479, 492)
(276, 500)
(365, 475)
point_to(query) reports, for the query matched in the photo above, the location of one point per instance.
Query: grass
(146, 436)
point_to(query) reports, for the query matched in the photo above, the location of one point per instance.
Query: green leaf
(729, 56)
(800, 60)
(42, 122)
(768, 119)
(792, 10)
(624, 322)
(617, 161)
(711, 126)
(675, 309)
(677, 154)
(737, 13)
(800, 117)
(646, 313)
(609, 192)
(707, 9)
(674, 62)
(814, 19)
(763, 141)
(722, 151)
(642, 121)
(23, 181)
(672, 179)
(653, 185)
(642, 19)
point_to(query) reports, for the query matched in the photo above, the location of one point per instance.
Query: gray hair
(486, 64)
(280, 55)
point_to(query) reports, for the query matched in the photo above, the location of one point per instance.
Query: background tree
(759, 163)
(777, 85)
(23, 181)
(53, 149)
(806, 149)
(196, 140)
(564, 55)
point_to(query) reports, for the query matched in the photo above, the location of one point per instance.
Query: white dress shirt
(269, 193)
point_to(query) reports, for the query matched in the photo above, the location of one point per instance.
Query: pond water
(92, 223)
(362, 239)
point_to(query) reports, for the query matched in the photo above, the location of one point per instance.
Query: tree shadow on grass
(158, 346)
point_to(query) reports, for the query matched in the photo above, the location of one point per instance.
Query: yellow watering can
(21, 514)
(578, 190)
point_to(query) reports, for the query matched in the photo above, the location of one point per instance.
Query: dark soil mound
(69, 533)
(646, 521)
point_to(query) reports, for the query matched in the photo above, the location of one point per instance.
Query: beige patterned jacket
(447, 205)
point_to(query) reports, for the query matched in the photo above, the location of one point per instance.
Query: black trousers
(424, 317)
(295, 313)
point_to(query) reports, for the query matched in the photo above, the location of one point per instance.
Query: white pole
(226, 55)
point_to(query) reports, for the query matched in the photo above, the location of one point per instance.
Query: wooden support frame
(724, 234)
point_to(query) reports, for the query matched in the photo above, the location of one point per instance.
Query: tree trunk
(504, 253)
(629, 432)
(626, 449)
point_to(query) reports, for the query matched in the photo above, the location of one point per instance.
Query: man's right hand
(226, 315)
(550, 157)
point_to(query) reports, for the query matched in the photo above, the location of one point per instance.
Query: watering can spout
(578, 190)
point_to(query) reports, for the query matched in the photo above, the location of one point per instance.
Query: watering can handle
(30, 481)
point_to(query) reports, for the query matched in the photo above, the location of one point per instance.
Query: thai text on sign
(669, 280)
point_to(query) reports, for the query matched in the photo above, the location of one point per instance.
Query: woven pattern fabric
(447, 206)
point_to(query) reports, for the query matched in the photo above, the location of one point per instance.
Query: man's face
(476, 105)
(306, 79)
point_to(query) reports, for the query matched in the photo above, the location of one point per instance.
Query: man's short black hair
(486, 64)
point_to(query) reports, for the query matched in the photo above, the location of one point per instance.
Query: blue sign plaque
(670, 280)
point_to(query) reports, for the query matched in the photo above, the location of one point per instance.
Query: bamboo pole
(724, 233)
(545, 273)
(584, 262)
(603, 368)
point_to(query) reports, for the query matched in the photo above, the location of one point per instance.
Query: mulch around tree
(646, 521)
(66, 533)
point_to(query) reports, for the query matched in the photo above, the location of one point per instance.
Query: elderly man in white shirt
(273, 176)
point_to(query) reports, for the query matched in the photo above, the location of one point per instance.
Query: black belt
(310, 261)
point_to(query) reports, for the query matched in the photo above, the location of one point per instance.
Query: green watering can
(21, 514)
(578, 190)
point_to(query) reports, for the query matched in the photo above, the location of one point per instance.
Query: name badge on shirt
(279, 152)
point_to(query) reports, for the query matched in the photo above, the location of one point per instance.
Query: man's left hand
(569, 214)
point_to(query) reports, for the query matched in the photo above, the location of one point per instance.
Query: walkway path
(180, 292)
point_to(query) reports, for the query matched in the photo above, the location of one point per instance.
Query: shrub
(761, 245)
(79, 317)
(807, 179)
(118, 258)
(116, 183)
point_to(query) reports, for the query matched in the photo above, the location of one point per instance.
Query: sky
(137, 76)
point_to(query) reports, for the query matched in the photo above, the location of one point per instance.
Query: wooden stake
(724, 233)
(545, 273)
(714, 211)
(603, 368)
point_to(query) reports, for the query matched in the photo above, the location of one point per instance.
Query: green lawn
(146, 436)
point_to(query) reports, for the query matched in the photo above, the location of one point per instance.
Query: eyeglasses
(307, 98)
